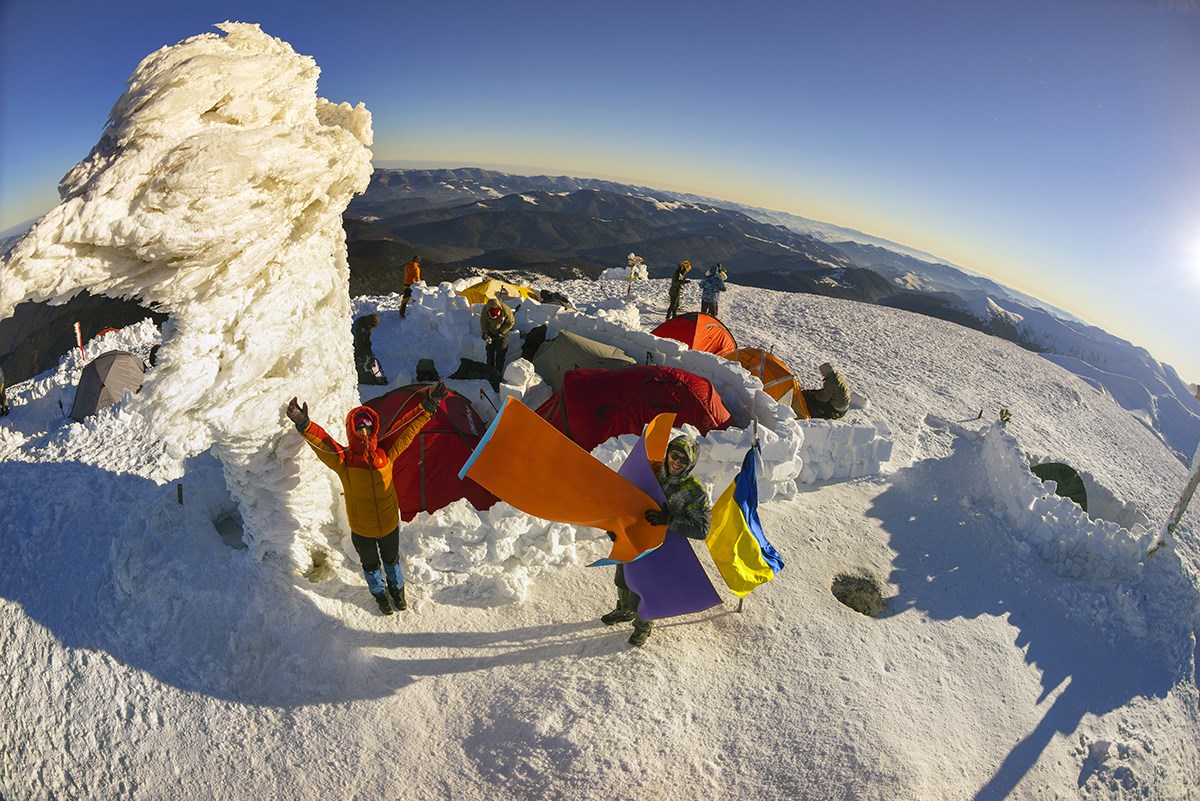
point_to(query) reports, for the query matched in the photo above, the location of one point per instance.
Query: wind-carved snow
(216, 194)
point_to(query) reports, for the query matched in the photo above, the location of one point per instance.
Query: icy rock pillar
(216, 194)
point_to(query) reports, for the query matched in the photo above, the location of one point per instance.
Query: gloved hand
(612, 535)
(298, 414)
(433, 400)
(658, 517)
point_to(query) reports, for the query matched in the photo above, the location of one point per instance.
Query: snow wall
(216, 195)
(1110, 581)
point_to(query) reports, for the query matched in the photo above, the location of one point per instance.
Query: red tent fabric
(698, 332)
(425, 475)
(594, 405)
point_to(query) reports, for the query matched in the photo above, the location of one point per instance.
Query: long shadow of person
(112, 563)
(953, 562)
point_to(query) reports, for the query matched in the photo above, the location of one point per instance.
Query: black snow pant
(708, 307)
(821, 409)
(497, 350)
(629, 600)
(371, 551)
(673, 302)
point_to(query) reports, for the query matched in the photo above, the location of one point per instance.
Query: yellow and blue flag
(736, 541)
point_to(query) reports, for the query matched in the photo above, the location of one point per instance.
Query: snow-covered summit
(215, 194)
(1028, 650)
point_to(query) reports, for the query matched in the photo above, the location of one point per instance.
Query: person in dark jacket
(368, 367)
(832, 400)
(686, 511)
(3, 397)
(711, 288)
(365, 471)
(495, 321)
(676, 291)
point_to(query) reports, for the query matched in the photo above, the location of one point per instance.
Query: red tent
(426, 474)
(698, 332)
(594, 405)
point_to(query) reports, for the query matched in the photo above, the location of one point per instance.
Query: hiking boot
(617, 615)
(639, 636)
(382, 600)
(397, 594)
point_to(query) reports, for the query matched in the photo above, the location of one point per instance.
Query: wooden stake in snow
(1166, 533)
(79, 342)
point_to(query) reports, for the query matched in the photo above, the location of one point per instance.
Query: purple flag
(669, 579)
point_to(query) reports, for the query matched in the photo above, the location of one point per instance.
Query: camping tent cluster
(596, 390)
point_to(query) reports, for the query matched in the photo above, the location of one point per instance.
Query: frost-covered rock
(216, 194)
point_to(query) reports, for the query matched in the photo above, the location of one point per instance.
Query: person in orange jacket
(365, 470)
(412, 274)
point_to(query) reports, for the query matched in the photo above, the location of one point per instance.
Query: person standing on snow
(3, 396)
(366, 474)
(412, 274)
(676, 292)
(711, 288)
(495, 321)
(832, 400)
(685, 511)
(368, 367)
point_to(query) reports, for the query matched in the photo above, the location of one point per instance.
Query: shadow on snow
(953, 562)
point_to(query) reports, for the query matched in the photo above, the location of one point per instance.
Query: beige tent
(570, 351)
(104, 379)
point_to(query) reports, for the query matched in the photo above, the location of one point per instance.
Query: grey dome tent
(569, 351)
(103, 380)
(1067, 481)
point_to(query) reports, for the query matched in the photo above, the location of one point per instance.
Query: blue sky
(1052, 145)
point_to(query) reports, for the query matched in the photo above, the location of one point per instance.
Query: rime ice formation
(216, 194)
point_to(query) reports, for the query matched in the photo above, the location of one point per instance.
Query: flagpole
(1167, 532)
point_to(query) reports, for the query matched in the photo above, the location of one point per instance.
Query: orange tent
(777, 378)
(698, 332)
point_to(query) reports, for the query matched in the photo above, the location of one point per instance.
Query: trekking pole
(484, 395)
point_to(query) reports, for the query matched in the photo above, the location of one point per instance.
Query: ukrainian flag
(736, 541)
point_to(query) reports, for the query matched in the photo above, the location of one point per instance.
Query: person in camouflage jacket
(686, 511)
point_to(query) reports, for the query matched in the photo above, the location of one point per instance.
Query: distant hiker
(686, 511)
(412, 274)
(495, 321)
(677, 281)
(369, 369)
(366, 474)
(711, 287)
(832, 400)
(3, 397)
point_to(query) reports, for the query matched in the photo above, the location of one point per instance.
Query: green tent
(569, 351)
(1066, 479)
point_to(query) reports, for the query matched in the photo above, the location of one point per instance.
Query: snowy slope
(161, 662)
(182, 614)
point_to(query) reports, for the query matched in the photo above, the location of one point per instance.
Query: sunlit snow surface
(1024, 644)
(1027, 650)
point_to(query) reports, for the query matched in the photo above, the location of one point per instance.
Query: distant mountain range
(473, 221)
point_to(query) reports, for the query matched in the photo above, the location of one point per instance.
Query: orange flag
(526, 462)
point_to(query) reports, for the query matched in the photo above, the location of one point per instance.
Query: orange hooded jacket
(412, 273)
(366, 470)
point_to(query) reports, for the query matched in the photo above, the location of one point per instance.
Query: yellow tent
(490, 288)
